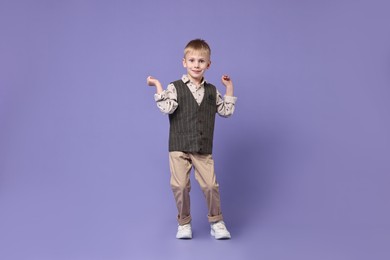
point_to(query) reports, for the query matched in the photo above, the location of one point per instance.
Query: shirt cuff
(230, 99)
(159, 97)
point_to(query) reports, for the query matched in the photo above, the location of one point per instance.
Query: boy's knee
(180, 187)
(211, 188)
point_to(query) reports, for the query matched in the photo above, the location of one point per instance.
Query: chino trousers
(181, 164)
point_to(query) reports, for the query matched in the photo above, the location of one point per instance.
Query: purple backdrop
(303, 164)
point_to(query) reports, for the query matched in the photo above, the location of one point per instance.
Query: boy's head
(198, 45)
(196, 59)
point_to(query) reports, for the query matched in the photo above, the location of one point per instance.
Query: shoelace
(219, 226)
(184, 227)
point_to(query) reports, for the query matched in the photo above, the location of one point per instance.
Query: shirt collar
(186, 80)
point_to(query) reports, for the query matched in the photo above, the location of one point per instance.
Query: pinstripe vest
(192, 125)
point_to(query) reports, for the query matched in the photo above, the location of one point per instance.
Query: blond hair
(197, 45)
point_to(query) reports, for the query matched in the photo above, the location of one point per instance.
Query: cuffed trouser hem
(215, 218)
(184, 221)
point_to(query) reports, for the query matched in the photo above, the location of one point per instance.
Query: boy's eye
(201, 61)
(191, 60)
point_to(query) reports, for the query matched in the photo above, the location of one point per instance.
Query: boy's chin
(197, 77)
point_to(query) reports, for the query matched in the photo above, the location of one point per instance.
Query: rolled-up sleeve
(225, 105)
(167, 100)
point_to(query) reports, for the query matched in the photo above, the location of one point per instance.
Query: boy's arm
(166, 100)
(226, 105)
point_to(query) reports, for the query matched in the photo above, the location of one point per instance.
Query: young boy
(191, 104)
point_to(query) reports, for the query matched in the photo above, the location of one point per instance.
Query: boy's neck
(195, 81)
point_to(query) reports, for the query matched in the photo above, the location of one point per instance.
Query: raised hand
(154, 83)
(227, 82)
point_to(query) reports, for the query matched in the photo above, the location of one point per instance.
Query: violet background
(303, 164)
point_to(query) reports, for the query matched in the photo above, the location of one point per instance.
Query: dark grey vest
(192, 125)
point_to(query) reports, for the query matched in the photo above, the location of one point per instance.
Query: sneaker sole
(184, 237)
(220, 237)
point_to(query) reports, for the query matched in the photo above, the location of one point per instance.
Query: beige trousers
(181, 164)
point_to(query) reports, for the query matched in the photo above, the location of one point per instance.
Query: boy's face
(196, 63)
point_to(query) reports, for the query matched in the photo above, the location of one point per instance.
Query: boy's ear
(208, 66)
(184, 63)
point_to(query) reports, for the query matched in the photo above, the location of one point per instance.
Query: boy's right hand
(152, 81)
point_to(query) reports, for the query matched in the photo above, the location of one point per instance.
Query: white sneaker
(184, 231)
(219, 230)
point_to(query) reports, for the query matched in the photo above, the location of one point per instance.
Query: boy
(191, 104)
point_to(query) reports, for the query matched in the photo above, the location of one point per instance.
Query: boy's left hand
(226, 81)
